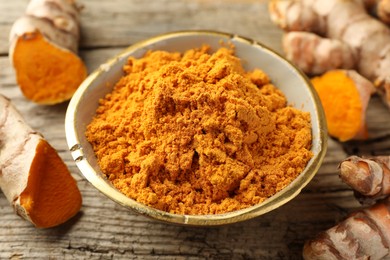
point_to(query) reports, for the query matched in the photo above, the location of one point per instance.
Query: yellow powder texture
(194, 133)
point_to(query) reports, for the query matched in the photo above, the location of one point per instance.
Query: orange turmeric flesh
(51, 196)
(342, 104)
(46, 73)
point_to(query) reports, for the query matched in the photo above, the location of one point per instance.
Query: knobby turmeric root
(43, 51)
(322, 54)
(345, 96)
(33, 177)
(336, 34)
(368, 177)
(363, 235)
(379, 8)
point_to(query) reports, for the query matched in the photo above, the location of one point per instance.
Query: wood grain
(104, 230)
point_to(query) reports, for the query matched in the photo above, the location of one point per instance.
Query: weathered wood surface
(104, 230)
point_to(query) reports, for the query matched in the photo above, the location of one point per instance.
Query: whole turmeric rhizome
(195, 133)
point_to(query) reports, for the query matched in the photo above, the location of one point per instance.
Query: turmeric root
(325, 54)
(345, 96)
(368, 177)
(363, 235)
(33, 177)
(379, 8)
(352, 38)
(43, 51)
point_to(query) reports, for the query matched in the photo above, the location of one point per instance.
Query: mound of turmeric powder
(195, 133)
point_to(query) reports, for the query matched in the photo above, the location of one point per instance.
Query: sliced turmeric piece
(33, 177)
(344, 95)
(43, 51)
(46, 74)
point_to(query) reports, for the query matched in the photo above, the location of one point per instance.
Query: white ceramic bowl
(284, 75)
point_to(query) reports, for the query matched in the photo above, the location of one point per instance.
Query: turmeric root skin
(363, 235)
(325, 54)
(368, 177)
(380, 9)
(33, 177)
(350, 34)
(43, 51)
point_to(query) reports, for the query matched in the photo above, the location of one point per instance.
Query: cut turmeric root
(33, 177)
(43, 51)
(344, 95)
(46, 74)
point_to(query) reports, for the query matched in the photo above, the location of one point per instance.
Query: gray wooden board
(104, 230)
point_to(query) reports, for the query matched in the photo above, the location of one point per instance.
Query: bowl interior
(283, 74)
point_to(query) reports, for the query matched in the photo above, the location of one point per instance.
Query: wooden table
(104, 230)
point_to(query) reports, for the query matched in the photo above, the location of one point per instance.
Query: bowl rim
(102, 184)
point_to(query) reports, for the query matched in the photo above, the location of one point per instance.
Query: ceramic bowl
(284, 75)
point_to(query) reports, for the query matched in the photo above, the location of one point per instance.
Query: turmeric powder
(195, 133)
